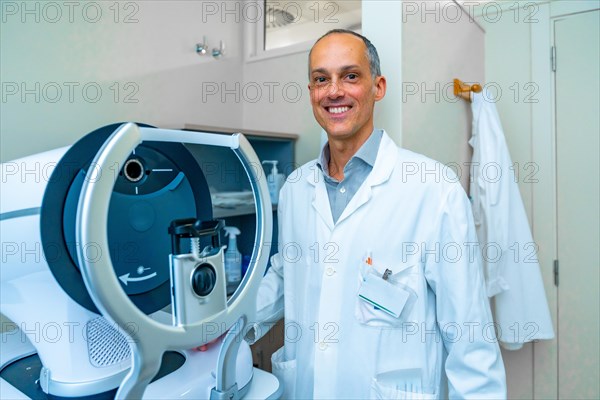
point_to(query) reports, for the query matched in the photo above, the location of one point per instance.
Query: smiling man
(344, 87)
(375, 305)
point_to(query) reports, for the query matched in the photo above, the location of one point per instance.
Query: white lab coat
(338, 346)
(510, 255)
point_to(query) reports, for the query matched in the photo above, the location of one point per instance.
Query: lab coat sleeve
(269, 302)
(474, 364)
(496, 178)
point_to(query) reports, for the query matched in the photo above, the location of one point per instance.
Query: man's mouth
(338, 109)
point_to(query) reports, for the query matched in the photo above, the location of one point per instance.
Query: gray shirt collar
(367, 152)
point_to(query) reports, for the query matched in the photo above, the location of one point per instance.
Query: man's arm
(474, 365)
(269, 302)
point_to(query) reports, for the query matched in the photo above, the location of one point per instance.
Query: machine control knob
(204, 279)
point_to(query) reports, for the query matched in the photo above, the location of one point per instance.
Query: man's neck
(341, 151)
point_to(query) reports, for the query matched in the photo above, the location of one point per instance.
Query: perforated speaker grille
(106, 345)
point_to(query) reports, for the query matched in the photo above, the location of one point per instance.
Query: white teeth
(338, 110)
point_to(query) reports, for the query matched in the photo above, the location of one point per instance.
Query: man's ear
(380, 87)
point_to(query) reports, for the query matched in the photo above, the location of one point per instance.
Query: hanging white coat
(513, 275)
(420, 227)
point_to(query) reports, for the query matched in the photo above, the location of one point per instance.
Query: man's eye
(352, 76)
(320, 81)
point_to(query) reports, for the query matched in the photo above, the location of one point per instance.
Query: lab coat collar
(382, 170)
(321, 200)
(385, 162)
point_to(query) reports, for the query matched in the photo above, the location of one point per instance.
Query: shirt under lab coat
(511, 266)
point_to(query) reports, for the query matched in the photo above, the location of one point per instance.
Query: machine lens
(134, 170)
(204, 279)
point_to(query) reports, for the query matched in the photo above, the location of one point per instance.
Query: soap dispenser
(275, 181)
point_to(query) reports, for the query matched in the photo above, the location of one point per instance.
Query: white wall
(439, 45)
(286, 107)
(145, 51)
(382, 25)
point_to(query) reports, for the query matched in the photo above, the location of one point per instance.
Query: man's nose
(335, 90)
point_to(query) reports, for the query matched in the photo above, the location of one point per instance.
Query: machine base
(23, 375)
(179, 377)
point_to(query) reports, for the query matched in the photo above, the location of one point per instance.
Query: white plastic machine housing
(32, 298)
(29, 295)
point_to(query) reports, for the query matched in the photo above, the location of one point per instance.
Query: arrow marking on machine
(126, 279)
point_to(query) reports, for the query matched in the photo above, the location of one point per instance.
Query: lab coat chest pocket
(385, 303)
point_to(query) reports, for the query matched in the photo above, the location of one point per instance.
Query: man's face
(342, 90)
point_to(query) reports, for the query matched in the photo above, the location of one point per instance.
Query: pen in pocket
(369, 259)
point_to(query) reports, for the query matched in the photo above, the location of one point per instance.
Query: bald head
(370, 50)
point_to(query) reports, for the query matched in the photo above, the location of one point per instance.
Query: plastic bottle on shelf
(275, 181)
(233, 260)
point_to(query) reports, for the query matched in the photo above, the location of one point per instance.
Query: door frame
(545, 353)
